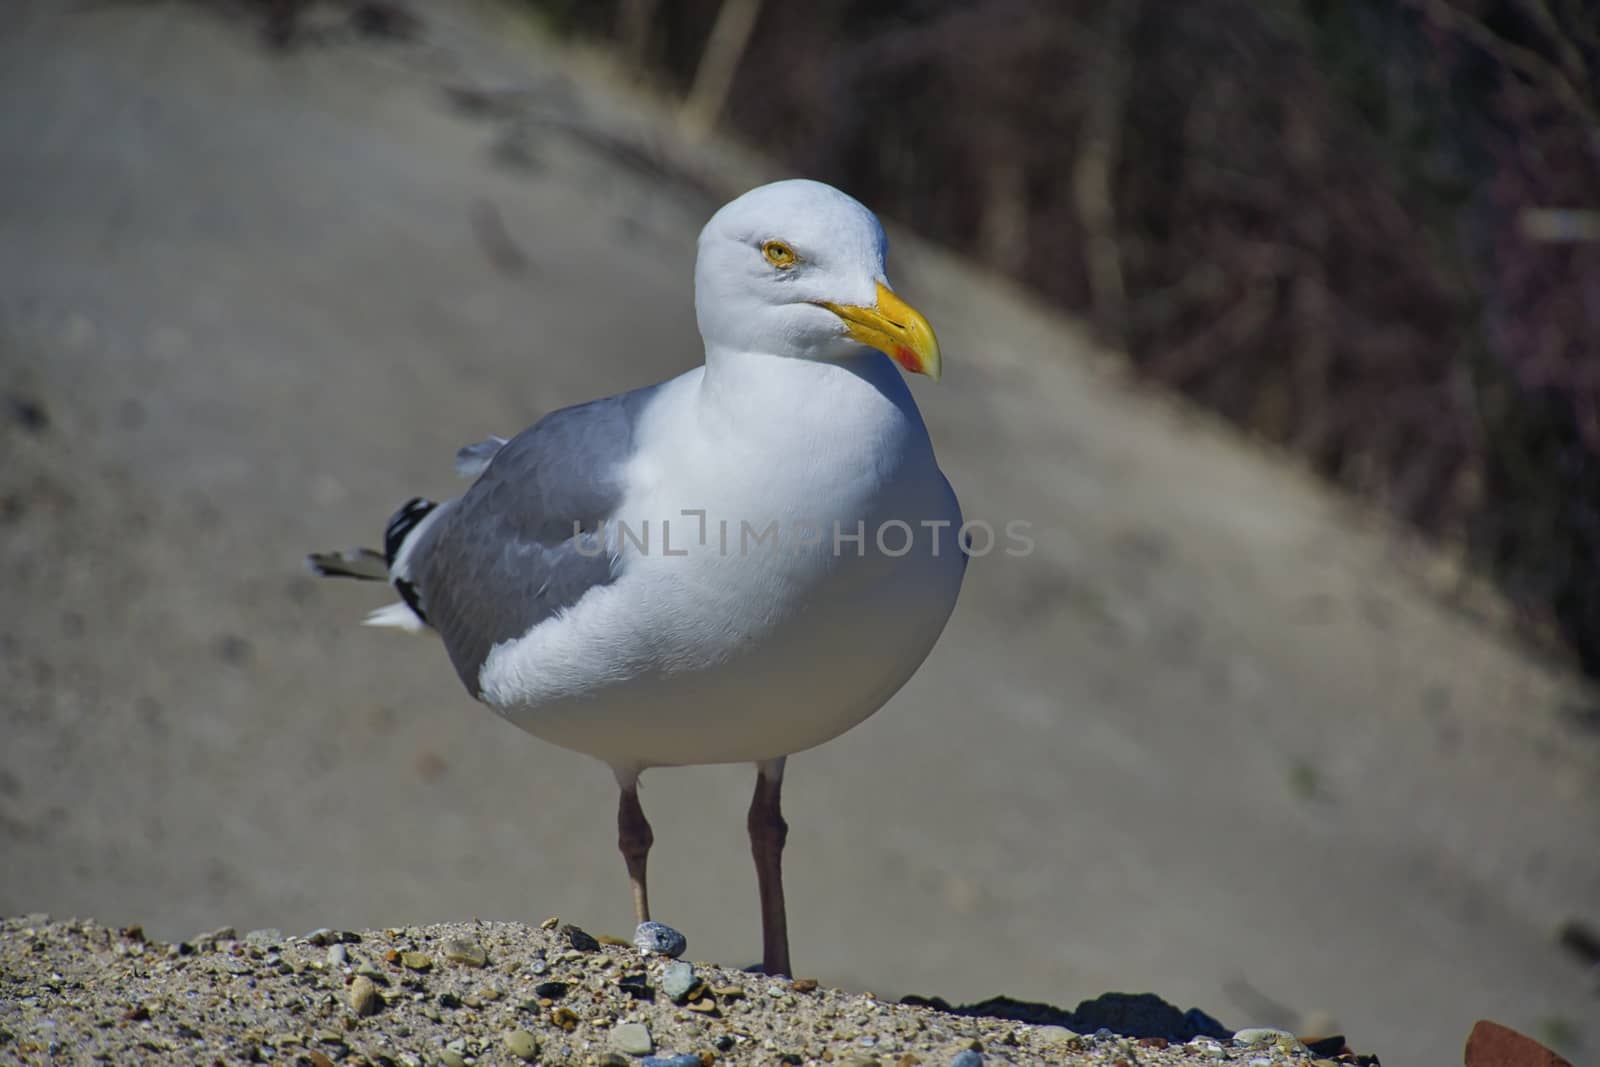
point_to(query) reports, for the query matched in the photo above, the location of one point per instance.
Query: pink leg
(634, 840)
(768, 832)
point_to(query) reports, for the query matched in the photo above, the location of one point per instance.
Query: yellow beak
(894, 328)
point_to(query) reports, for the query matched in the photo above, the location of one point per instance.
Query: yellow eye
(779, 254)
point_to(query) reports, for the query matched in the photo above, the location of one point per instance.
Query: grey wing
(524, 542)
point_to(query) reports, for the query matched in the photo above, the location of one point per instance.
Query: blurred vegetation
(1368, 230)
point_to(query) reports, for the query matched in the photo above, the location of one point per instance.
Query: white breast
(779, 630)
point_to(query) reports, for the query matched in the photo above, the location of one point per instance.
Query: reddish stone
(1493, 1045)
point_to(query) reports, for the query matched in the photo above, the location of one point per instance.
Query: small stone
(1263, 1035)
(1055, 1035)
(565, 1018)
(861, 1061)
(705, 1006)
(451, 1058)
(550, 990)
(522, 1045)
(611, 941)
(805, 985)
(614, 1059)
(322, 937)
(580, 939)
(683, 1059)
(319, 1059)
(338, 955)
(728, 992)
(967, 1058)
(678, 980)
(364, 997)
(725, 1043)
(550, 923)
(416, 961)
(449, 1000)
(636, 986)
(468, 952)
(632, 1038)
(264, 938)
(659, 939)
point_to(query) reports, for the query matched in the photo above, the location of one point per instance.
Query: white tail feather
(398, 616)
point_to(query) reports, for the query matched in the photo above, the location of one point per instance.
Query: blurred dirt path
(1211, 739)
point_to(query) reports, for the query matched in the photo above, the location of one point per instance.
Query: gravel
(76, 991)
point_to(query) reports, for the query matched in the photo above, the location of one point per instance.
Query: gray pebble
(522, 1045)
(683, 1059)
(659, 939)
(1263, 1035)
(338, 955)
(468, 952)
(968, 1058)
(451, 1058)
(632, 1038)
(364, 996)
(264, 938)
(678, 980)
(1055, 1035)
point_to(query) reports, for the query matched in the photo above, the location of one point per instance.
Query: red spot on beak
(907, 359)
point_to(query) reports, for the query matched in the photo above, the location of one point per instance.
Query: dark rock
(580, 939)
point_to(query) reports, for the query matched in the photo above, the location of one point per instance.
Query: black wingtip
(402, 523)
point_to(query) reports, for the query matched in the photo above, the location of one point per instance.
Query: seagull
(731, 566)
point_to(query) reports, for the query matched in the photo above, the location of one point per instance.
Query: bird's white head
(796, 269)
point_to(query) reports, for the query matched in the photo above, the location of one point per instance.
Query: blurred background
(1277, 321)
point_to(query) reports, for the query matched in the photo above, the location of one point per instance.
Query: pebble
(263, 938)
(364, 996)
(451, 1058)
(683, 1059)
(468, 952)
(1055, 1035)
(550, 990)
(678, 980)
(1263, 1035)
(522, 1045)
(338, 955)
(968, 1058)
(580, 939)
(632, 1038)
(416, 961)
(659, 939)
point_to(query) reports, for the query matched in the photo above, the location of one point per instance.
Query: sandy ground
(1213, 738)
(508, 993)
